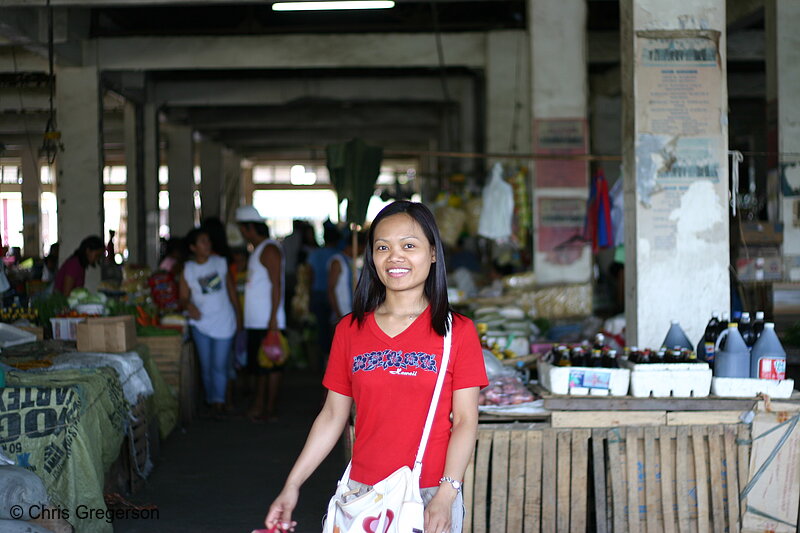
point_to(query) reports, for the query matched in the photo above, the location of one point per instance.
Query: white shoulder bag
(394, 504)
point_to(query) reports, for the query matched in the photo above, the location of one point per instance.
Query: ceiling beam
(320, 137)
(144, 3)
(365, 50)
(331, 114)
(281, 91)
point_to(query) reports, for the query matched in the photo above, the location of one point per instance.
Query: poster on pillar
(560, 222)
(561, 191)
(680, 140)
(560, 137)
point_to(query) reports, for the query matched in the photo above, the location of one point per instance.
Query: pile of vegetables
(49, 306)
(81, 296)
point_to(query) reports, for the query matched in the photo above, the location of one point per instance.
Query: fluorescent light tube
(332, 5)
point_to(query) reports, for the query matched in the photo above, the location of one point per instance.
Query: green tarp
(353, 167)
(66, 426)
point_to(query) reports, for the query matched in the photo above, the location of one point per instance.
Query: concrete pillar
(559, 103)
(211, 180)
(136, 220)
(232, 171)
(80, 164)
(783, 104)
(31, 203)
(151, 160)
(676, 174)
(180, 160)
(508, 126)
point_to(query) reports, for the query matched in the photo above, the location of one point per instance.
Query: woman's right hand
(194, 312)
(280, 512)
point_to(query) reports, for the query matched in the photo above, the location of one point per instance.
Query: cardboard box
(762, 267)
(762, 233)
(785, 298)
(112, 334)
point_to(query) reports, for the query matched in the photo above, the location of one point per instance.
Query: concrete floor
(221, 476)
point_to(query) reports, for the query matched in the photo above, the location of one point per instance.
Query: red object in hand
(272, 345)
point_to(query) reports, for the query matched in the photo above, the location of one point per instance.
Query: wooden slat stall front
(527, 478)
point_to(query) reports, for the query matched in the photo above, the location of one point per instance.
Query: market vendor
(72, 273)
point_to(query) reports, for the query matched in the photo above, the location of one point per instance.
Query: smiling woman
(386, 359)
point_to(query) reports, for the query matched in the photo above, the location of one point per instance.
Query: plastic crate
(751, 387)
(665, 380)
(583, 381)
(66, 328)
(12, 336)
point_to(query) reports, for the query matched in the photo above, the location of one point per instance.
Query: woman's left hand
(438, 513)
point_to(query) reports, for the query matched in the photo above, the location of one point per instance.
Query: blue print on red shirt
(386, 359)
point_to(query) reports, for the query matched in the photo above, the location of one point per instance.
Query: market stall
(67, 416)
(607, 429)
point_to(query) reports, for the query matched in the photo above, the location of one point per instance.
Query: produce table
(68, 425)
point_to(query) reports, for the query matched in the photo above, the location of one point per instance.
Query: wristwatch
(455, 484)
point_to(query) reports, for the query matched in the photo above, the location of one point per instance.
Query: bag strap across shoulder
(448, 341)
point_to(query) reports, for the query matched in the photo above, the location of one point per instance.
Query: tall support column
(508, 126)
(80, 164)
(559, 103)
(180, 160)
(675, 166)
(783, 104)
(211, 178)
(151, 160)
(233, 171)
(31, 203)
(136, 219)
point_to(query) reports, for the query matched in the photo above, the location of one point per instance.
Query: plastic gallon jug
(676, 337)
(733, 356)
(768, 358)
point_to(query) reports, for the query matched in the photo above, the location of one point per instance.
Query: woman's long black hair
(370, 291)
(92, 242)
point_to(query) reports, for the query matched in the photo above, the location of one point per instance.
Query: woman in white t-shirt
(208, 294)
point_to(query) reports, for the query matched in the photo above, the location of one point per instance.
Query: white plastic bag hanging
(498, 207)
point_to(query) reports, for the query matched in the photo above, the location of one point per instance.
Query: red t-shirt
(391, 381)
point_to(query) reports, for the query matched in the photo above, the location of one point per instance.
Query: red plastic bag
(274, 350)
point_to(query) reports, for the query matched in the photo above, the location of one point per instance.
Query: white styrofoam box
(11, 336)
(752, 387)
(66, 328)
(91, 309)
(664, 380)
(583, 381)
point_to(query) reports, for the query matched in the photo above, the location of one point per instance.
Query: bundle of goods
(164, 290)
(747, 357)
(450, 218)
(135, 284)
(505, 387)
(583, 369)
(505, 331)
(505, 390)
(9, 315)
(551, 302)
(672, 370)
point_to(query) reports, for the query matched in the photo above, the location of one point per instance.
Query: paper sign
(590, 379)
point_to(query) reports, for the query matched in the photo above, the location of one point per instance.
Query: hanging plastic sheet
(598, 228)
